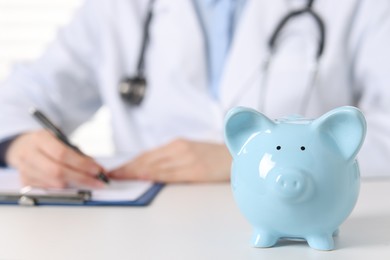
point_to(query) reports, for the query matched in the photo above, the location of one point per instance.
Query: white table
(183, 222)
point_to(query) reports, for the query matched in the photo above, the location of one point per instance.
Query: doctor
(201, 58)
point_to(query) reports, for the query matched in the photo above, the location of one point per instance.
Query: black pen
(46, 123)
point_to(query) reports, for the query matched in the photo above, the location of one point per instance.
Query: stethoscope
(272, 49)
(133, 89)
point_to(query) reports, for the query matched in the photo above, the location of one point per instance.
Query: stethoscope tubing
(272, 46)
(145, 40)
(133, 89)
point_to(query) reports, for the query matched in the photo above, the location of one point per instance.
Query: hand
(179, 161)
(43, 161)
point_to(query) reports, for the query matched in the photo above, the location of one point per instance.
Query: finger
(38, 172)
(181, 169)
(176, 153)
(145, 166)
(173, 154)
(171, 175)
(165, 171)
(140, 168)
(136, 169)
(151, 157)
(43, 172)
(127, 171)
(78, 179)
(60, 153)
(170, 150)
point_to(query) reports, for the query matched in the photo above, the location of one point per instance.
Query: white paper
(121, 191)
(9, 180)
(115, 191)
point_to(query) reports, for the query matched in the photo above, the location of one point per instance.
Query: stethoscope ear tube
(321, 29)
(145, 40)
(272, 48)
(287, 18)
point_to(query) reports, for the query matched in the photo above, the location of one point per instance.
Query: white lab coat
(80, 71)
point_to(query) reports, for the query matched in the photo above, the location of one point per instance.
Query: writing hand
(179, 161)
(43, 161)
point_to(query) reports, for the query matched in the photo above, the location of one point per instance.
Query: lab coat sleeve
(62, 82)
(372, 77)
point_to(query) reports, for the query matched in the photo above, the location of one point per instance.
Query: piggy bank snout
(291, 184)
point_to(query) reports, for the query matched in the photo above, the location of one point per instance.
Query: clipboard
(28, 196)
(118, 193)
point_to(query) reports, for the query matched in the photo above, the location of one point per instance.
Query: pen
(46, 123)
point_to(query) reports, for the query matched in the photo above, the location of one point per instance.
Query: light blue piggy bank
(294, 177)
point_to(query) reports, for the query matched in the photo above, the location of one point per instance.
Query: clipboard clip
(29, 196)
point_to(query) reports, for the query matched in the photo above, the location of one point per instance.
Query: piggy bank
(295, 178)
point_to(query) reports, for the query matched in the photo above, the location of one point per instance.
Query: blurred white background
(26, 27)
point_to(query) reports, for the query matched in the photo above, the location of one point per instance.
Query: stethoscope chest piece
(132, 90)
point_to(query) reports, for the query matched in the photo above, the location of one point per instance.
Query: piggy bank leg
(321, 242)
(263, 239)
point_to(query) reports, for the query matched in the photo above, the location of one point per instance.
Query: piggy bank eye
(278, 147)
(303, 148)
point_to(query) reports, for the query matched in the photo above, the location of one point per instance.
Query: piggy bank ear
(343, 128)
(240, 124)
